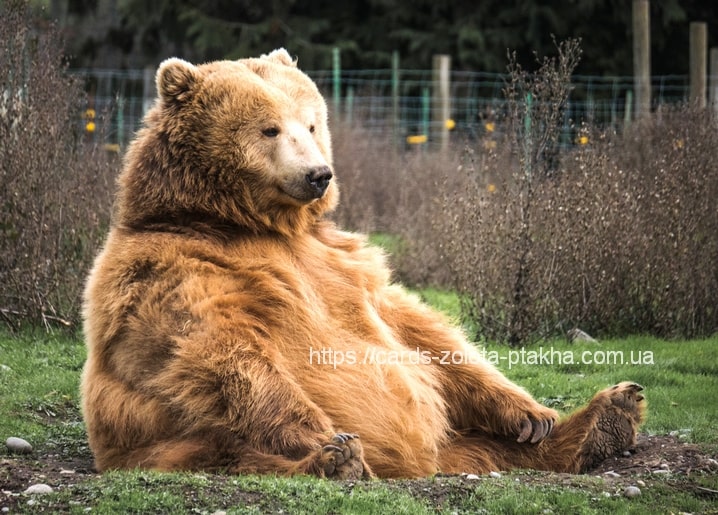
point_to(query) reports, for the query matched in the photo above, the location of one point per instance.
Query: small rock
(681, 434)
(665, 466)
(577, 335)
(5, 368)
(627, 454)
(219, 512)
(712, 463)
(39, 488)
(632, 491)
(472, 477)
(611, 473)
(495, 475)
(18, 445)
(640, 482)
(66, 472)
(661, 471)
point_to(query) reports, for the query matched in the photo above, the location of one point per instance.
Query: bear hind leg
(340, 457)
(619, 412)
(605, 427)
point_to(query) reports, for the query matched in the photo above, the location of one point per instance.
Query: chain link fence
(395, 103)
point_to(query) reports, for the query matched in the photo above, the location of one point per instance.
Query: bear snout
(318, 180)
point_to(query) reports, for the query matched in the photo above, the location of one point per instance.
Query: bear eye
(271, 132)
(311, 129)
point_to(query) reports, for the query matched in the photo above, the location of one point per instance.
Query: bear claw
(536, 430)
(341, 438)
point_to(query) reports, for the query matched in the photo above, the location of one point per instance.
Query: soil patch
(654, 458)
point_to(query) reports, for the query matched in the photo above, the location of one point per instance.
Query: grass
(150, 492)
(39, 398)
(39, 401)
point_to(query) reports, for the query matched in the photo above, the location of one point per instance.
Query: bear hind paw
(343, 458)
(619, 411)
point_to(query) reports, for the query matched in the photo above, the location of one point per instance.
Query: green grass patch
(39, 397)
(442, 300)
(391, 243)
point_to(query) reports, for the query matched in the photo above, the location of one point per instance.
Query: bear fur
(230, 327)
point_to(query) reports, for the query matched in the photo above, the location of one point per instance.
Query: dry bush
(495, 238)
(367, 169)
(617, 237)
(642, 241)
(389, 190)
(55, 186)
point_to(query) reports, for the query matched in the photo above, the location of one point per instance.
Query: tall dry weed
(55, 185)
(495, 236)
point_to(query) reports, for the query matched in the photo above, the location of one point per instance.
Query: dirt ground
(653, 457)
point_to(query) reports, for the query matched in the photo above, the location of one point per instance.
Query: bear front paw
(537, 424)
(343, 458)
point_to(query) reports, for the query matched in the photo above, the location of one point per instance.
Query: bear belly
(383, 392)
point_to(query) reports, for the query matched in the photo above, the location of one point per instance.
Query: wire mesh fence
(394, 102)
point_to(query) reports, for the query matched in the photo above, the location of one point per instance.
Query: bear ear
(176, 79)
(280, 56)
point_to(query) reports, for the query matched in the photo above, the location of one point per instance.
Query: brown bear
(231, 327)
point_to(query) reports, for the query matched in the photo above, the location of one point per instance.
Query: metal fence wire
(395, 101)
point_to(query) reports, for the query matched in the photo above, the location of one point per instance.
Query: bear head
(241, 144)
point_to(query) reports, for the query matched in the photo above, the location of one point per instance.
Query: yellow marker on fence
(416, 139)
(90, 117)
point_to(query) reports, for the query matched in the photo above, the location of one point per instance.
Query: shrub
(506, 295)
(639, 228)
(617, 235)
(55, 185)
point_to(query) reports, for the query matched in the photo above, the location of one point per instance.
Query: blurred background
(551, 165)
(129, 34)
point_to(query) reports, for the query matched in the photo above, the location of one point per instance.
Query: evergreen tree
(478, 35)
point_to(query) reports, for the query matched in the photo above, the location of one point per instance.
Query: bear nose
(318, 180)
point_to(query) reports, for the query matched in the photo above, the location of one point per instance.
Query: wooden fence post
(395, 104)
(441, 108)
(698, 58)
(713, 87)
(642, 57)
(148, 88)
(336, 81)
